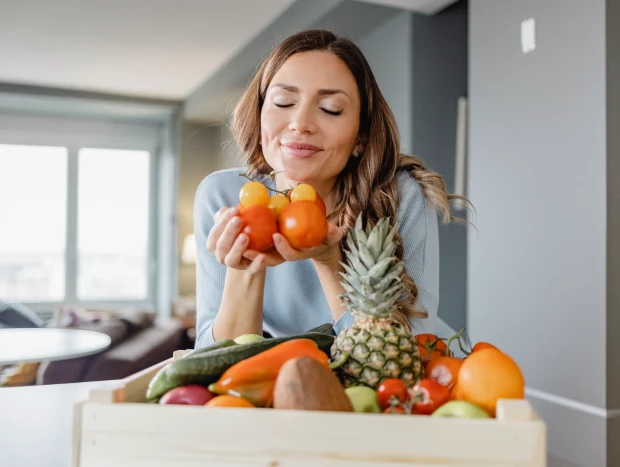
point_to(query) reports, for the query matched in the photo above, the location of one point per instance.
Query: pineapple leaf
(365, 256)
(390, 236)
(359, 231)
(393, 274)
(375, 239)
(379, 269)
(388, 252)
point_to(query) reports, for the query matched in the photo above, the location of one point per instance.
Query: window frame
(74, 134)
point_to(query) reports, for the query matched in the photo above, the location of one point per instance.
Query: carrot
(254, 378)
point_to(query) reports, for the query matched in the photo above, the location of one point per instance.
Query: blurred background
(111, 113)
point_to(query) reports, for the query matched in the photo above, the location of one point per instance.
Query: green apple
(363, 399)
(249, 338)
(460, 409)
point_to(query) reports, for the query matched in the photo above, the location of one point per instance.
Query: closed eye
(331, 112)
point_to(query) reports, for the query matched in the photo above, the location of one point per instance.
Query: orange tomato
(482, 345)
(321, 204)
(259, 223)
(455, 394)
(488, 375)
(303, 224)
(229, 401)
(444, 370)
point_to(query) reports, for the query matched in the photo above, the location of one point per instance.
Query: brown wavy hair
(368, 183)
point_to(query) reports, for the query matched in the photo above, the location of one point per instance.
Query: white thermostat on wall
(528, 35)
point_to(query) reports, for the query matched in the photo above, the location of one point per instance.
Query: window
(33, 213)
(113, 224)
(77, 213)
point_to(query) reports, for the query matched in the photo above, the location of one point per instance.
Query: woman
(314, 114)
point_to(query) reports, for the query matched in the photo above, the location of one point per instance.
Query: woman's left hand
(328, 252)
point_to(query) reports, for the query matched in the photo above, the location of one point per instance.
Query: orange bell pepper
(254, 378)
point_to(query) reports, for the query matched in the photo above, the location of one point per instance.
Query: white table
(36, 423)
(46, 344)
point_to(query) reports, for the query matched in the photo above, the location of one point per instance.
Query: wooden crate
(114, 428)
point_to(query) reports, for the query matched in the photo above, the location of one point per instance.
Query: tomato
(444, 370)
(229, 401)
(432, 395)
(488, 375)
(389, 388)
(396, 409)
(301, 192)
(277, 203)
(253, 193)
(303, 224)
(321, 204)
(259, 223)
(455, 394)
(430, 347)
(482, 345)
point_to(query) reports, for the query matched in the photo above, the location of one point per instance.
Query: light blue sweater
(294, 301)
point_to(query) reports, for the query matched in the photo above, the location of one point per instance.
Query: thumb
(334, 234)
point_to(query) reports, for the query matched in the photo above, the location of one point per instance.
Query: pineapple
(376, 346)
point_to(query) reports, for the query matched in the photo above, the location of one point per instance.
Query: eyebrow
(322, 92)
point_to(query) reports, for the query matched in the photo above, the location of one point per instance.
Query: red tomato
(444, 370)
(397, 409)
(432, 394)
(259, 223)
(303, 224)
(430, 346)
(391, 387)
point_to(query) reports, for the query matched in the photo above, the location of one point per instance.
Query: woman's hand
(328, 252)
(228, 245)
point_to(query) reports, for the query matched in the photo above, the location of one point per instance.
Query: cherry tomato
(444, 370)
(433, 396)
(391, 387)
(430, 346)
(303, 224)
(396, 409)
(253, 193)
(277, 203)
(301, 192)
(259, 223)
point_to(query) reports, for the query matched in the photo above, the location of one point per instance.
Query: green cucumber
(216, 345)
(208, 367)
(326, 328)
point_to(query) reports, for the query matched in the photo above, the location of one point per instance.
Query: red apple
(192, 394)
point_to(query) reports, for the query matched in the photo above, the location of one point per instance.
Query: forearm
(241, 310)
(330, 278)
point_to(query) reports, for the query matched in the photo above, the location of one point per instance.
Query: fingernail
(236, 221)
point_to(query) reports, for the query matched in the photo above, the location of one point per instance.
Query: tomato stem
(272, 177)
(457, 336)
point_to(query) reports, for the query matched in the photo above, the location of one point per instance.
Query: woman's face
(310, 119)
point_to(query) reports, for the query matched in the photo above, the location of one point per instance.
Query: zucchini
(326, 328)
(207, 367)
(215, 345)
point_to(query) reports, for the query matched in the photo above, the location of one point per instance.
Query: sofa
(138, 340)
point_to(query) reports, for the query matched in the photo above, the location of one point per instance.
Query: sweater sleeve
(419, 232)
(210, 274)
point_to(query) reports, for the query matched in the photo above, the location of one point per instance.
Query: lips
(297, 149)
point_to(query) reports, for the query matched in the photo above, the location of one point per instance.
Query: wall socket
(528, 35)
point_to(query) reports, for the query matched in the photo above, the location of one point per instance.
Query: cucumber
(207, 367)
(162, 380)
(326, 328)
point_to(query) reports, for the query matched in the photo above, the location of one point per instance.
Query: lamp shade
(188, 255)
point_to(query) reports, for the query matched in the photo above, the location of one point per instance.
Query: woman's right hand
(228, 243)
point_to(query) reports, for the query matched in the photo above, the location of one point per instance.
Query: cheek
(271, 124)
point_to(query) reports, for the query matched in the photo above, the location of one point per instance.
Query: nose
(302, 120)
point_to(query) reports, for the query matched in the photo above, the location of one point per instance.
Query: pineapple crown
(373, 274)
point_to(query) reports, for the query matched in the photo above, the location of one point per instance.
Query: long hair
(368, 183)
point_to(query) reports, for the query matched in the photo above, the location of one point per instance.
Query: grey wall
(613, 229)
(388, 51)
(537, 176)
(439, 78)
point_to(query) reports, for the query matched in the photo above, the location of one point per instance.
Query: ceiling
(144, 48)
(429, 7)
(154, 49)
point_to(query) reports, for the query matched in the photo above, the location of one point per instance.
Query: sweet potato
(303, 383)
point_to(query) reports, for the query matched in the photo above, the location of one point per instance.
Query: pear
(363, 399)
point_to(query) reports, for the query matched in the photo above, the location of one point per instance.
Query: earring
(359, 149)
